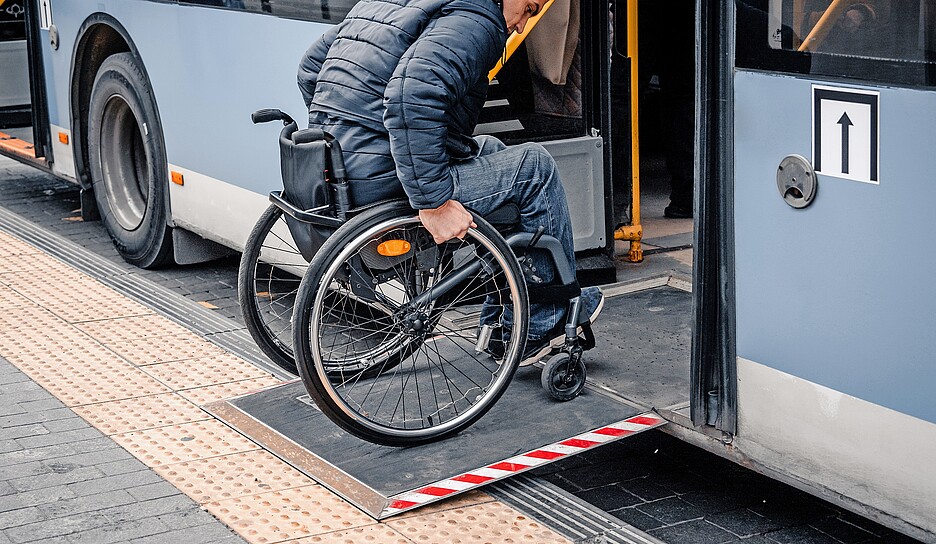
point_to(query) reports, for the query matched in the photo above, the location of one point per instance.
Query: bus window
(12, 20)
(886, 41)
(325, 11)
(538, 94)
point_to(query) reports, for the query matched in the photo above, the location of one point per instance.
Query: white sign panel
(45, 14)
(845, 133)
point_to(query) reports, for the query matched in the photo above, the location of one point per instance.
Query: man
(400, 84)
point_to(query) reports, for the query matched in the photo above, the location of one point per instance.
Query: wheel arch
(100, 36)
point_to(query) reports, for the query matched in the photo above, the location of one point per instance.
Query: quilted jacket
(400, 84)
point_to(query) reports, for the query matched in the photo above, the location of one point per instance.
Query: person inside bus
(400, 84)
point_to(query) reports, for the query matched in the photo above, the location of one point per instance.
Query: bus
(803, 342)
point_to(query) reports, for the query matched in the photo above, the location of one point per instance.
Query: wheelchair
(398, 340)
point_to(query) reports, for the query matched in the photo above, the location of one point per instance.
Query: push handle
(270, 114)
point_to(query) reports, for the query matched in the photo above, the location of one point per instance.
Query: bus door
(23, 125)
(557, 93)
(833, 161)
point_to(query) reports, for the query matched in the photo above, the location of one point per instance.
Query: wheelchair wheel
(562, 379)
(268, 278)
(412, 373)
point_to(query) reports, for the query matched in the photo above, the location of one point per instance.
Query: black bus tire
(128, 165)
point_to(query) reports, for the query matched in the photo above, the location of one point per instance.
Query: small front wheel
(562, 379)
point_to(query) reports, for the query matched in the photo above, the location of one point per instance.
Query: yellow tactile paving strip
(140, 378)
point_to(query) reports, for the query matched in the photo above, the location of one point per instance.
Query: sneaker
(592, 303)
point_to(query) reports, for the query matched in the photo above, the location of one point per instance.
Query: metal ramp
(524, 430)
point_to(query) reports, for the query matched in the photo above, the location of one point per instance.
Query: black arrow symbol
(845, 122)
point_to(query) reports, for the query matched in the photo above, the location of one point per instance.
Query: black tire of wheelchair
(301, 326)
(149, 245)
(554, 376)
(279, 353)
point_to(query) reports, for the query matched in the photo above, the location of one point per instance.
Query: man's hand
(450, 220)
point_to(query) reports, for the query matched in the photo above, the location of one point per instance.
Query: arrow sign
(845, 122)
(845, 133)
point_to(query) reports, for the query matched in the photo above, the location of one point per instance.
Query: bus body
(813, 329)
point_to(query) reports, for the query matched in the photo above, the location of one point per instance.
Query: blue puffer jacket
(400, 83)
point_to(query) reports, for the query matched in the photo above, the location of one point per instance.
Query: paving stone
(84, 504)
(59, 450)
(121, 531)
(20, 516)
(646, 489)
(6, 488)
(633, 516)
(214, 533)
(23, 431)
(155, 490)
(30, 418)
(44, 531)
(842, 530)
(672, 510)
(100, 458)
(151, 508)
(743, 522)
(124, 466)
(191, 517)
(34, 498)
(694, 531)
(21, 470)
(802, 534)
(63, 437)
(104, 483)
(69, 424)
(79, 474)
(713, 502)
(609, 497)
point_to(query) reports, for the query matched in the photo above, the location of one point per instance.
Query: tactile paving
(37, 342)
(464, 500)
(31, 316)
(162, 349)
(288, 514)
(186, 442)
(232, 476)
(376, 534)
(212, 393)
(105, 307)
(30, 262)
(10, 245)
(86, 375)
(126, 329)
(141, 413)
(488, 522)
(11, 299)
(204, 371)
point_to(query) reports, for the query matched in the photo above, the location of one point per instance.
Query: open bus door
(23, 102)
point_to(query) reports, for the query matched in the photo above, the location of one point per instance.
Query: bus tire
(128, 164)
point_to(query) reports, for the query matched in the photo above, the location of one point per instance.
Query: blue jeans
(527, 176)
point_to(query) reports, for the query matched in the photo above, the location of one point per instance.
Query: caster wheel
(561, 383)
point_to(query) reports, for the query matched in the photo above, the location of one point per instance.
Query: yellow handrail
(633, 232)
(819, 32)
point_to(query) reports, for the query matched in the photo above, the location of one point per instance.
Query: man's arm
(311, 63)
(435, 73)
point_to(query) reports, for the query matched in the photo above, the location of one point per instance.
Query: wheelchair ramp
(524, 430)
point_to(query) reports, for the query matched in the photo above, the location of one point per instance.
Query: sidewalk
(102, 438)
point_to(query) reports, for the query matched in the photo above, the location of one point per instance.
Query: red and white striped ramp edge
(520, 463)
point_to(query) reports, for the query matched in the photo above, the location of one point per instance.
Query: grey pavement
(676, 492)
(63, 481)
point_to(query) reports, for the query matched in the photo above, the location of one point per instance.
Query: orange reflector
(63, 138)
(393, 248)
(177, 178)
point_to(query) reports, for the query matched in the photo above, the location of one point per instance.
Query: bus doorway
(22, 101)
